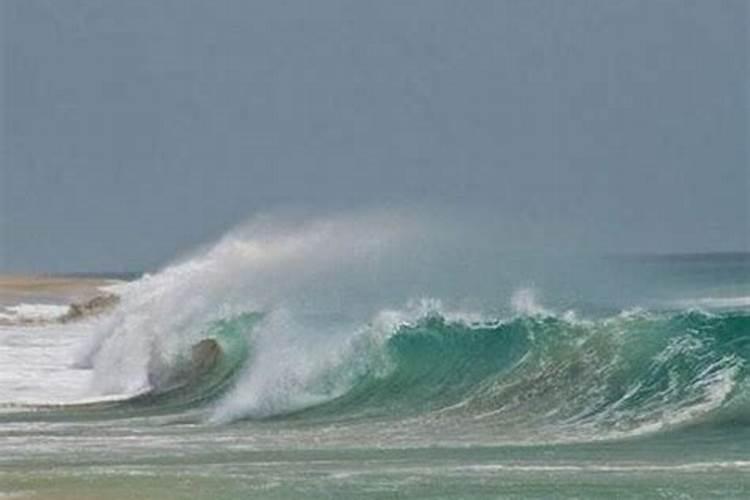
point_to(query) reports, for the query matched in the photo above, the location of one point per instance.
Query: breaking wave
(246, 330)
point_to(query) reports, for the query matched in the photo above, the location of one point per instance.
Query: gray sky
(134, 130)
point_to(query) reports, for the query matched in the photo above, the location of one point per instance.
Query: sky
(132, 131)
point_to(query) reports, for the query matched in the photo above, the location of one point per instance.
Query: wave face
(531, 377)
(270, 324)
(537, 376)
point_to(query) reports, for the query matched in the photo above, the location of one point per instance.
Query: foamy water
(266, 365)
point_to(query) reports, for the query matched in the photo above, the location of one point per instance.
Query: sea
(360, 357)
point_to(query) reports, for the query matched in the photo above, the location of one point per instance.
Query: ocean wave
(527, 378)
(243, 330)
(614, 377)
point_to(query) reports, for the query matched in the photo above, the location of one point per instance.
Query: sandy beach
(35, 300)
(50, 289)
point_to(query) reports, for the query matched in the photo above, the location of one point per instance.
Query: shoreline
(75, 297)
(51, 289)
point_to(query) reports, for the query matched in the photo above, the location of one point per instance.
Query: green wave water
(538, 405)
(584, 379)
(531, 378)
(278, 366)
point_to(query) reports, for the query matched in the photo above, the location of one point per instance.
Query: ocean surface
(335, 359)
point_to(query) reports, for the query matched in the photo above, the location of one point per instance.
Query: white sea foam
(615, 467)
(32, 312)
(35, 364)
(267, 266)
(298, 274)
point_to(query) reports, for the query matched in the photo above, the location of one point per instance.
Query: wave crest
(257, 307)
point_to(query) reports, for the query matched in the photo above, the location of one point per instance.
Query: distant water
(300, 363)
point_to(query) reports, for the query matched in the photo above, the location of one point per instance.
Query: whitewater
(360, 356)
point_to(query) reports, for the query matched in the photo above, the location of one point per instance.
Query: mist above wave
(332, 331)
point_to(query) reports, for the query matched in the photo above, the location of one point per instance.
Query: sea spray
(262, 267)
(319, 349)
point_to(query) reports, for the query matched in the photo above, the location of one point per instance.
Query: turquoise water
(594, 390)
